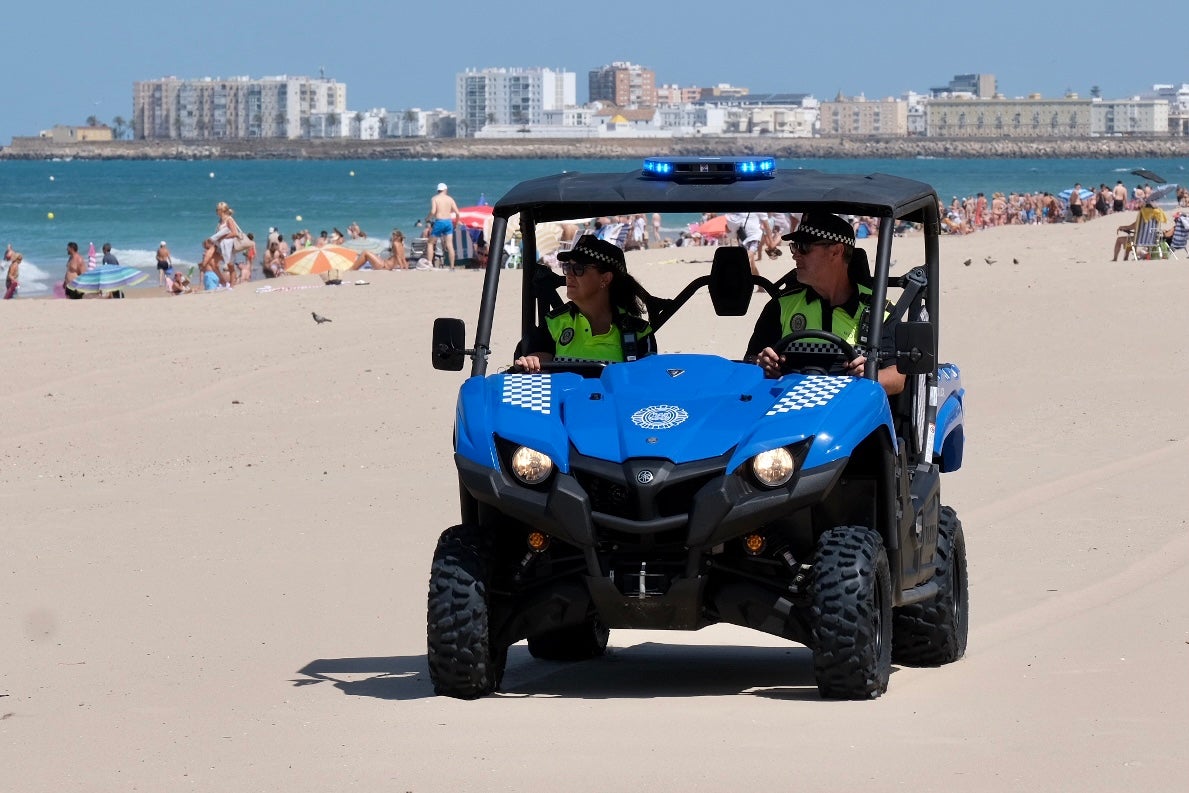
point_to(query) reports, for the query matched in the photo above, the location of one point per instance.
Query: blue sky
(67, 60)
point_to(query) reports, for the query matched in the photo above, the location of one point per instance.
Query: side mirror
(449, 344)
(916, 348)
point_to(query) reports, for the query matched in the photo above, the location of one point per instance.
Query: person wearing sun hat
(830, 296)
(604, 318)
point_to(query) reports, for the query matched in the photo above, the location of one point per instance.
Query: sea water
(134, 205)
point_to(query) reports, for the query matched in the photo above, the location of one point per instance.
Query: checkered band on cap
(531, 391)
(583, 252)
(827, 235)
(812, 392)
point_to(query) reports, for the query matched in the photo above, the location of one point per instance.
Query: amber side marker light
(754, 544)
(537, 541)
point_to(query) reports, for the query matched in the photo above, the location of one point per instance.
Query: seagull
(967, 262)
(989, 260)
(319, 318)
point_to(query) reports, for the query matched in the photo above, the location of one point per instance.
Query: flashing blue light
(709, 168)
(758, 167)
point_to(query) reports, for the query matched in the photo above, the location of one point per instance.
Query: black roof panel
(574, 194)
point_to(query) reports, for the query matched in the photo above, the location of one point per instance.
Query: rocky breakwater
(601, 148)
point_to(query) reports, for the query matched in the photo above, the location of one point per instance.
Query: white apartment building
(1129, 117)
(236, 107)
(1177, 97)
(510, 96)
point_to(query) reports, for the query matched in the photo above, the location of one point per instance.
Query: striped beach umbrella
(321, 260)
(109, 278)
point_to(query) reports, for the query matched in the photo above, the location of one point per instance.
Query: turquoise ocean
(136, 204)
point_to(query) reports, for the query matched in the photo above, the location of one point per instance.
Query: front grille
(678, 498)
(605, 495)
(644, 489)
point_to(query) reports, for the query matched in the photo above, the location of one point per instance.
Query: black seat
(731, 283)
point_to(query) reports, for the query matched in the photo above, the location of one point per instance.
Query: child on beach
(179, 284)
(14, 273)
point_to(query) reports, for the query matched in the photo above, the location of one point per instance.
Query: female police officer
(603, 320)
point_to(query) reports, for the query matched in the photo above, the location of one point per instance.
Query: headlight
(531, 466)
(773, 468)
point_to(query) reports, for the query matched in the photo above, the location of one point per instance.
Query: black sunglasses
(575, 268)
(802, 247)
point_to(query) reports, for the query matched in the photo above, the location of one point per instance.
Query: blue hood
(676, 407)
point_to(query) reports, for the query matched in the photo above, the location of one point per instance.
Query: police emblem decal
(797, 323)
(659, 417)
(566, 337)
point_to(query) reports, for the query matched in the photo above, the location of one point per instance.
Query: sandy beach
(219, 517)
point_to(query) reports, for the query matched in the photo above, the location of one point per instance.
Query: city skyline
(400, 62)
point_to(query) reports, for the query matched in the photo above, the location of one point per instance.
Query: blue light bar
(712, 169)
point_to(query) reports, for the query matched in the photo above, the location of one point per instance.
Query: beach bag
(242, 243)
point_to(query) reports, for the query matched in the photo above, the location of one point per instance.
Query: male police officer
(828, 298)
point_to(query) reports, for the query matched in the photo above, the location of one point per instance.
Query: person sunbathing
(395, 261)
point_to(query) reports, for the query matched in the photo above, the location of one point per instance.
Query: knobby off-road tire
(572, 643)
(851, 614)
(934, 632)
(462, 661)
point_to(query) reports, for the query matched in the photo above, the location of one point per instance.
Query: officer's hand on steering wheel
(528, 364)
(836, 356)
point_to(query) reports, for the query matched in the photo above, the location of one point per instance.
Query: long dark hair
(626, 294)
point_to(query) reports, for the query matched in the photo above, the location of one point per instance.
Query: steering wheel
(592, 369)
(822, 361)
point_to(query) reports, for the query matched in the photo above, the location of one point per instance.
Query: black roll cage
(562, 197)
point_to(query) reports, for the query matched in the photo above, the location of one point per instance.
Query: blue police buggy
(681, 490)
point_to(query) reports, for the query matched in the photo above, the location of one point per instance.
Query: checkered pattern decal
(532, 391)
(809, 345)
(812, 392)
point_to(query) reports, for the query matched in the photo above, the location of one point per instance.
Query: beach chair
(620, 236)
(1180, 235)
(417, 248)
(1147, 240)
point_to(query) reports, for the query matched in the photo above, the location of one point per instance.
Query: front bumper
(697, 504)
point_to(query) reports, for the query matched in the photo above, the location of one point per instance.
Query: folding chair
(1148, 238)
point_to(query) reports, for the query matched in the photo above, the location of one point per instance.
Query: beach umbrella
(475, 217)
(1162, 191)
(1067, 192)
(320, 260)
(91, 258)
(1144, 173)
(109, 278)
(715, 227)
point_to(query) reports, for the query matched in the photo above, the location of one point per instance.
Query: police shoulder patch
(566, 337)
(797, 323)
